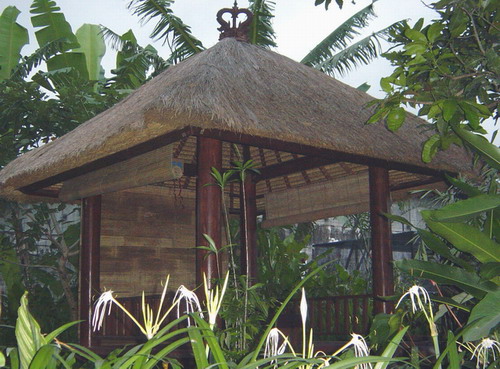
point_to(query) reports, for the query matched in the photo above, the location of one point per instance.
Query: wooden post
(383, 279)
(89, 264)
(248, 223)
(208, 207)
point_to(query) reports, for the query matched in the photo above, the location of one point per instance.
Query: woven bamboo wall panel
(147, 233)
(342, 196)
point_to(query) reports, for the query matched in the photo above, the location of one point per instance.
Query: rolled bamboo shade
(152, 167)
(343, 196)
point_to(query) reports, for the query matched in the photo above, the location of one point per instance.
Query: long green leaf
(28, 335)
(168, 28)
(161, 355)
(54, 27)
(464, 187)
(212, 341)
(40, 55)
(354, 361)
(261, 29)
(453, 352)
(340, 37)
(49, 337)
(13, 37)
(484, 317)
(361, 52)
(489, 152)
(465, 238)
(391, 348)
(452, 301)
(469, 282)
(445, 352)
(44, 357)
(198, 347)
(465, 209)
(13, 355)
(438, 246)
(92, 45)
(52, 22)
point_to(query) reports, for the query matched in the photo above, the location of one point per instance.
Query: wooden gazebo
(140, 168)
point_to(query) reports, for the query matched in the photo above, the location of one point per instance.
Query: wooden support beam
(273, 144)
(208, 207)
(383, 278)
(89, 265)
(421, 182)
(248, 224)
(291, 166)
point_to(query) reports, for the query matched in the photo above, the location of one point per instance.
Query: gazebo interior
(141, 171)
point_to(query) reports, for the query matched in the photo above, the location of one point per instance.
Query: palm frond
(340, 37)
(117, 42)
(136, 67)
(363, 51)
(42, 54)
(168, 27)
(261, 29)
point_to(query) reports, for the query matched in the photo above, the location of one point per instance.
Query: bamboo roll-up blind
(151, 167)
(342, 196)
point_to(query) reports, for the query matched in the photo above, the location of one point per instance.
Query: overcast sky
(299, 25)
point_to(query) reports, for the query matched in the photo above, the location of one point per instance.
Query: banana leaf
(13, 37)
(446, 274)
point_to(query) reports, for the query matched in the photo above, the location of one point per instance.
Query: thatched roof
(237, 87)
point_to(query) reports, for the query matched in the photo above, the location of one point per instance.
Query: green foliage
(335, 55)
(55, 27)
(34, 349)
(472, 247)
(340, 3)
(449, 71)
(92, 46)
(13, 37)
(261, 29)
(169, 28)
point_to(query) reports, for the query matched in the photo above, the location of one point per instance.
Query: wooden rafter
(304, 173)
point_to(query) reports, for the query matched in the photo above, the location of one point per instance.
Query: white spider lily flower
(419, 296)
(273, 347)
(483, 351)
(420, 300)
(360, 349)
(104, 301)
(214, 300)
(191, 300)
(151, 324)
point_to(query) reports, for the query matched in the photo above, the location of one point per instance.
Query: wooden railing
(332, 318)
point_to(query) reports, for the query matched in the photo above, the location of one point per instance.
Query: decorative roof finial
(236, 30)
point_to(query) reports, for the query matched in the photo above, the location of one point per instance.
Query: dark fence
(332, 318)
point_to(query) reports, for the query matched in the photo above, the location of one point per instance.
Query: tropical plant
(334, 55)
(449, 71)
(39, 253)
(39, 249)
(35, 350)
